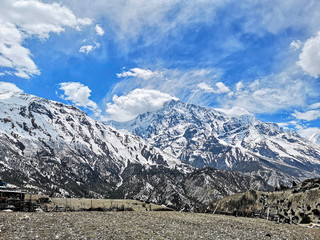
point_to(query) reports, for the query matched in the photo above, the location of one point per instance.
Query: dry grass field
(144, 225)
(85, 203)
(77, 204)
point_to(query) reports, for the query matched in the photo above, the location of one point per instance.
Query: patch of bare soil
(144, 225)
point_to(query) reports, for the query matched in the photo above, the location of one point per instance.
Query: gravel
(144, 225)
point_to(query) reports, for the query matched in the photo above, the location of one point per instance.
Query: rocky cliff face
(46, 145)
(206, 137)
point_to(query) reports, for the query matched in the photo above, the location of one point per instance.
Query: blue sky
(115, 59)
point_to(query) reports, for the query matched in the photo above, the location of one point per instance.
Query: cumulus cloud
(138, 101)
(308, 116)
(88, 48)
(20, 20)
(79, 94)
(138, 73)
(310, 56)
(9, 87)
(12, 54)
(220, 88)
(99, 30)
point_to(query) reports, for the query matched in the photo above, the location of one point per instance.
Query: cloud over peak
(138, 101)
(9, 87)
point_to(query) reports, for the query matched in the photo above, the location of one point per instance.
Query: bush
(305, 219)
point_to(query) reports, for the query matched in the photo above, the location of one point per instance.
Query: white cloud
(283, 125)
(138, 73)
(262, 16)
(290, 125)
(235, 111)
(79, 94)
(308, 116)
(312, 134)
(296, 45)
(239, 86)
(310, 56)
(12, 54)
(19, 20)
(9, 87)
(315, 106)
(220, 88)
(181, 83)
(88, 48)
(153, 19)
(149, 19)
(205, 87)
(99, 30)
(270, 94)
(138, 101)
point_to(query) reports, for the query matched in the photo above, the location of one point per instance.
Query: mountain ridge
(206, 137)
(46, 145)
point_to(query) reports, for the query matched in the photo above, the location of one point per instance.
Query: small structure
(11, 199)
(14, 200)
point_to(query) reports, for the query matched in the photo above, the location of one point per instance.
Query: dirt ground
(144, 225)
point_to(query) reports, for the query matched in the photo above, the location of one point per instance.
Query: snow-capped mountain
(207, 137)
(46, 145)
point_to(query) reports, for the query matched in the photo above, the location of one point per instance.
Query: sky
(116, 59)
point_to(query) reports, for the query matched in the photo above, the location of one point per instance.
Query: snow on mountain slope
(51, 125)
(206, 137)
(46, 145)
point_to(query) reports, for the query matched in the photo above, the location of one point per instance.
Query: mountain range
(47, 145)
(205, 137)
